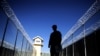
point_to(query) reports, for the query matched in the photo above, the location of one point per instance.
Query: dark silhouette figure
(55, 42)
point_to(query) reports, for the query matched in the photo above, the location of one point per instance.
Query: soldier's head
(54, 27)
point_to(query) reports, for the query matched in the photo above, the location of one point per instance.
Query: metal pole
(72, 45)
(84, 41)
(15, 43)
(3, 49)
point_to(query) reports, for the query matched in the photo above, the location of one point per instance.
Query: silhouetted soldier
(55, 42)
